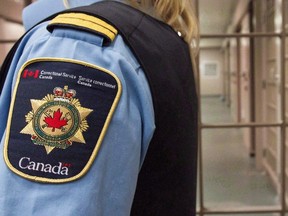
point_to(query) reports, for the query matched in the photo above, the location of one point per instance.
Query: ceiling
(215, 16)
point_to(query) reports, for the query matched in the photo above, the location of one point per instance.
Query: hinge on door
(264, 152)
(264, 84)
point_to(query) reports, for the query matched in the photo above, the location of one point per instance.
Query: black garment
(167, 181)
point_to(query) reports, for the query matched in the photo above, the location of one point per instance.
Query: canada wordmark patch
(59, 115)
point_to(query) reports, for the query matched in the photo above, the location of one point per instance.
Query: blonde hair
(179, 14)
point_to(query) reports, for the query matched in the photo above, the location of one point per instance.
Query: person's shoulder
(40, 10)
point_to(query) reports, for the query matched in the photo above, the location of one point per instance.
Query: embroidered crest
(57, 120)
(59, 114)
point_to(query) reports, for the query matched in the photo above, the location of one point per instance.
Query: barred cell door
(272, 93)
(256, 60)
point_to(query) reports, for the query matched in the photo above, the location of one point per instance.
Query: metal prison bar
(282, 210)
(7, 41)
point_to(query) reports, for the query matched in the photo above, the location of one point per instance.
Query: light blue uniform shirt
(108, 187)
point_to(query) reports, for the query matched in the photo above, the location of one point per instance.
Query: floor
(230, 177)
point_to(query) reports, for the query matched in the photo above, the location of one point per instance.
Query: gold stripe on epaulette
(86, 21)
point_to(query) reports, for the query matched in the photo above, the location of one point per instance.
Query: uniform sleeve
(108, 186)
(5, 96)
(5, 99)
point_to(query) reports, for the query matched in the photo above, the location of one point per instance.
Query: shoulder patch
(60, 112)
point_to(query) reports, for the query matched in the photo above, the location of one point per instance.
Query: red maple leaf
(56, 122)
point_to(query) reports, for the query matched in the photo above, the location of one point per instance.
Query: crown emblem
(64, 94)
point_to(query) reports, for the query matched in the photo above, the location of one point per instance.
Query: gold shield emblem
(57, 120)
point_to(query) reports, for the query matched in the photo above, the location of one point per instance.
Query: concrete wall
(211, 84)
